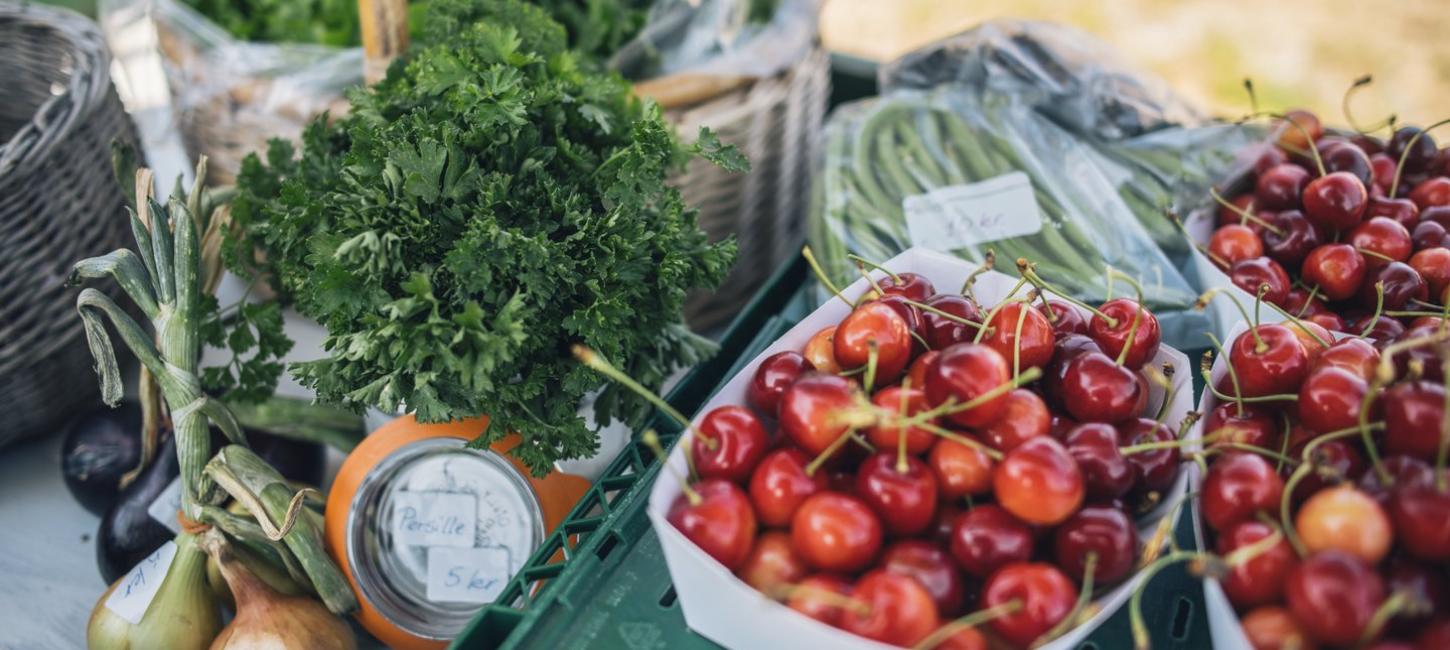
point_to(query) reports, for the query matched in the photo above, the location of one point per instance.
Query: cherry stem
(1249, 552)
(1313, 293)
(950, 408)
(989, 262)
(1170, 390)
(1233, 375)
(857, 607)
(1379, 308)
(969, 621)
(1244, 214)
(1349, 118)
(1284, 440)
(1261, 399)
(652, 440)
(949, 316)
(1397, 603)
(1217, 261)
(1253, 97)
(1141, 639)
(1313, 148)
(1029, 272)
(599, 364)
(960, 439)
(821, 276)
(861, 261)
(861, 268)
(1203, 300)
(1286, 498)
(1405, 155)
(1375, 254)
(1221, 446)
(829, 451)
(1080, 609)
(1017, 338)
(873, 355)
(1299, 323)
(986, 322)
(901, 466)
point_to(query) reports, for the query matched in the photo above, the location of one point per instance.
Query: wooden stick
(384, 34)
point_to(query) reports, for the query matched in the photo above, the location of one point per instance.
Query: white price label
(435, 518)
(467, 575)
(166, 505)
(133, 595)
(959, 216)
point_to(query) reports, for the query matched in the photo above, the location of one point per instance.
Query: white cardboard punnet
(724, 609)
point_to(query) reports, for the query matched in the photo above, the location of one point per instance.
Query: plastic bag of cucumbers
(1026, 139)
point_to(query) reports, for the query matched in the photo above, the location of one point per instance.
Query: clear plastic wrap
(744, 38)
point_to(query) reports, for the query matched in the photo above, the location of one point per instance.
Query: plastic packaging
(732, 38)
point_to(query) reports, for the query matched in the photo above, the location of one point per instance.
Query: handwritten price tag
(164, 508)
(133, 595)
(961, 216)
(435, 518)
(467, 575)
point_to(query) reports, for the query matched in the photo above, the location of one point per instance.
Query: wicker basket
(58, 203)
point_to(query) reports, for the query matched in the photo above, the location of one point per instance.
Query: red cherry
(1313, 336)
(1097, 389)
(1422, 152)
(1280, 186)
(1333, 595)
(964, 372)
(1068, 347)
(775, 374)
(1033, 348)
(1272, 628)
(780, 484)
(1384, 236)
(1262, 273)
(1235, 242)
(1384, 170)
(1428, 234)
(986, 538)
(1401, 285)
(1229, 216)
(1380, 328)
(1335, 461)
(1330, 399)
(967, 638)
(820, 351)
(1106, 473)
(810, 410)
(1403, 471)
(1425, 586)
(947, 517)
(1297, 128)
(1344, 519)
(1024, 417)
(1435, 636)
(1039, 482)
(772, 563)
(1438, 214)
(1422, 520)
(1294, 238)
(940, 331)
(1337, 269)
(899, 611)
(1065, 318)
(1156, 469)
(807, 598)
(1335, 201)
(1414, 413)
(930, 566)
(1047, 597)
(1100, 530)
(961, 469)
(1112, 337)
(1328, 320)
(917, 372)
(906, 402)
(880, 323)
(1260, 580)
(912, 286)
(1433, 265)
(1356, 355)
(1403, 211)
(1431, 193)
(1272, 363)
(739, 442)
(1238, 486)
(902, 490)
(1252, 426)
(721, 522)
(909, 313)
(1348, 158)
(1269, 155)
(835, 532)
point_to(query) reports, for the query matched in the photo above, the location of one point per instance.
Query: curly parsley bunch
(488, 204)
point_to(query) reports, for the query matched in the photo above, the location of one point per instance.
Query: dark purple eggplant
(128, 533)
(99, 448)
(297, 460)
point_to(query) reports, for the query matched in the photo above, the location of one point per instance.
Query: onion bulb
(275, 576)
(268, 619)
(182, 616)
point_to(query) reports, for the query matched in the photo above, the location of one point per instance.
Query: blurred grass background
(1298, 52)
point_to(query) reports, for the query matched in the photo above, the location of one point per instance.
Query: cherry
(965, 372)
(930, 566)
(1345, 157)
(1238, 486)
(898, 611)
(1268, 360)
(1335, 201)
(730, 444)
(1280, 186)
(961, 470)
(772, 563)
(1269, 156)
(1327, 319)
(1232, 215)
(1330, 399)
(1333, 595)
(1294, 238)
(1297, 128)
(1422, 152)
(775, 374)
(820, 351)
(1344, 519)
(967, 638)
(1356, 355)
(1260, 580)
(807, 598)
(1380, 328)
(909, 313)
(1424, 585)
(1439, 214)
(885, 434)
(1112, 337)
(1429, 234)
(1427, 358)
(901, 489)
(1101, 530)
(1262, 273)
(987, 538)
(1421, 514)
(780, 483)
(1384, 236)
(1039, 482)
(947, 517)
(1403, 211)
(940, 331)
(1272, 628)
(1337, 269)
(917, 372)
(835, 532)
(1301, 302)
(810, 410)
(1047, 597)
(1107, 474)
(1313, 336)
(1403, 471)
(716, 516)
(1235, 242)
(1068, 347)
(1158, 468)
(1252, 426)
(1431, 193)
(912, 286)
(1414, 413)
(1433, 265)
(1065, 318)
(879, 323)
(1384, 170)
(1096, 389)
(1023, 417)
(1335, 461)
(1435, 636)
(1033, 349)
(1401, 285)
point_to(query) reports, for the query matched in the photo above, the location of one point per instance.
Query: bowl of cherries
(1323, 506)
(919, 465)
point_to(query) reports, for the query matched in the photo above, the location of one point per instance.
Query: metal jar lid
(391, 575)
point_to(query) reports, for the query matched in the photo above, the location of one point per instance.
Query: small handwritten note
(467, 575)
(164, 508)
(133, 595)
(960, 216)
(435, 518)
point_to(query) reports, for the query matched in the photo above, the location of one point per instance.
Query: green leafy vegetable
(326, 22)
(484, 207)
